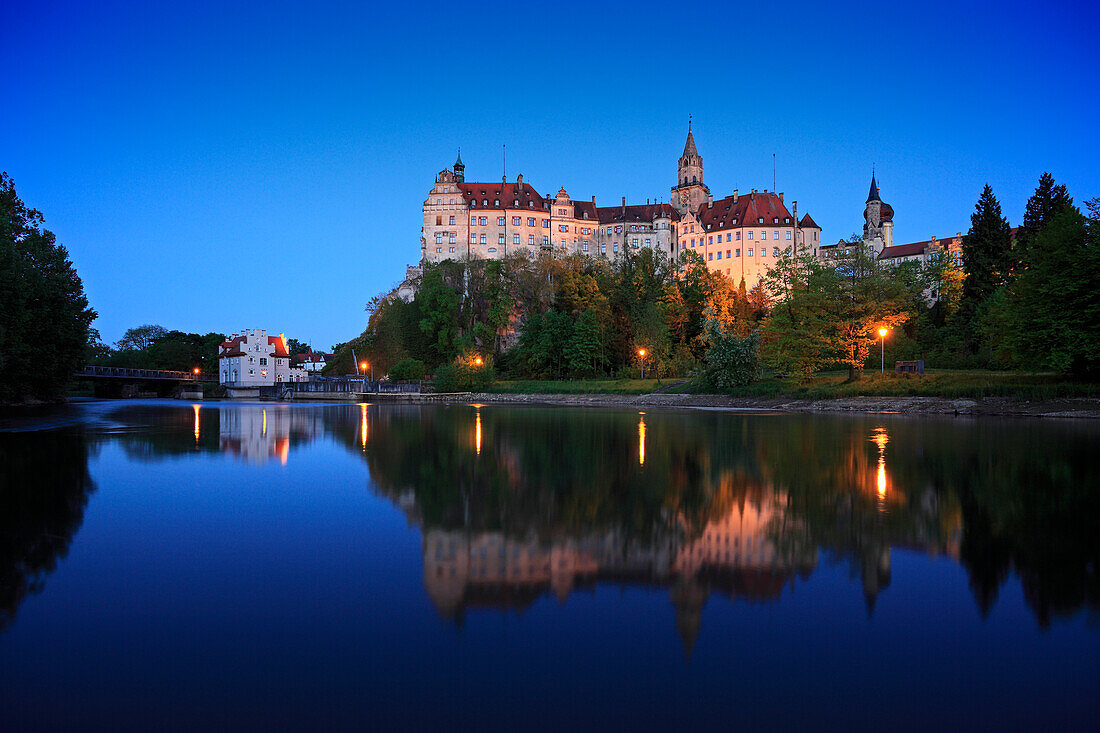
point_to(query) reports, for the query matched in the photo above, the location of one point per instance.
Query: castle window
(775, 235)
(634, 242)
(496, 202)
(693, 179)
(485, 203)
(750, 234)
(760, 220)
(483, 221)
(452, 221)
(545, 241)
(648, 243)
(530, 221)
(738, 237)
(515, 221)
(710, 255)
(788, 235)
(738, 251)
(452, 249)
(263, 361)
(615, 247)
(473, 239)
(438, 249)
(500, 239)
(531, 239)
(483, 239)
(775, 220)
(719, 254)
(516, 203)
(500, 221)
(492, 249)
(727, 254)
(473, 221)
(786, 220)
(451, 237)
(515, 239)
(585, 246)
(439, 237)
(763, 235)
(750, 251)
(545, 223)
(438, 220)
(710, 240)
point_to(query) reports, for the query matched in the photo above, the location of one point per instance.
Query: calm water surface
(175, 566)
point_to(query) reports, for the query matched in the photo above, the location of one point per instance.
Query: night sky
(216, 168)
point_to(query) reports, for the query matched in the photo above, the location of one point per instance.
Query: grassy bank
(833, 385)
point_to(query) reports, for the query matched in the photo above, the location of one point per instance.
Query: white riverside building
(254, 359)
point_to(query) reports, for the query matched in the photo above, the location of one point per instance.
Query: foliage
(408, 369)
(294, 346)
(987, 251)
(154, 347)
(1054, 315)
(44, 314)
(463, 377)
(731, 361)
(140, 338)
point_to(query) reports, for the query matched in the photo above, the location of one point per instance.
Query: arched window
(693, 179)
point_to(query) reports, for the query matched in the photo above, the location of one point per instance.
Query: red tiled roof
(231, 353)
(580, 208)
(504, 194)
(636, 212)
(280, 346)
(903, 250)
(312, 357)
(744, 210)
(808, 223)
(886, 212)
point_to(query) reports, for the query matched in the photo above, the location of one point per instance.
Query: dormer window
(496, 202)
(786, 220)
(516, 203)
(760, 220)
(485, 202)
(775, 220)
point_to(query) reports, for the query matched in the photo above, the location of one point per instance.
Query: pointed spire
(689, 146)
(458, 163)
(873, 195)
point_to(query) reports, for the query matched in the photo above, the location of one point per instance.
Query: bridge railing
(352, 384)
(91, 371)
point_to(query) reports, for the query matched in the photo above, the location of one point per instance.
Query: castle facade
(741, 235)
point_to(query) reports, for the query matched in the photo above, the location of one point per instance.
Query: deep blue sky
(264, 165)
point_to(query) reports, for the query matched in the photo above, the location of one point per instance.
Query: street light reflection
(880, 438)
(363, 424)
(477, 432)
(196, 423)
(641, 438)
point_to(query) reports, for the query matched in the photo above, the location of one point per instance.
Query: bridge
(111, 381)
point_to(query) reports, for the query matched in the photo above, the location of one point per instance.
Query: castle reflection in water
(515, 504)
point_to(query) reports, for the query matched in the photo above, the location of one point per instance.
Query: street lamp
(641, 358)
(882, 348)
(196, 371)
(363, 366)
(477, 361)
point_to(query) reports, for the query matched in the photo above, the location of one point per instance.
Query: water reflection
(517, 503)
(42, 500)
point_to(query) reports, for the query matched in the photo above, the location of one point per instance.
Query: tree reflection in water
(519, 502)
(42, 500)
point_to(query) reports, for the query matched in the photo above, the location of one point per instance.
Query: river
(167, 565)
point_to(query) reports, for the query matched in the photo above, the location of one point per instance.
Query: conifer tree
(986, 252)
(1047, 202)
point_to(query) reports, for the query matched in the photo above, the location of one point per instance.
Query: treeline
(1026, 302)
(155, 347)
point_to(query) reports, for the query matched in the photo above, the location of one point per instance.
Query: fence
(352, 384)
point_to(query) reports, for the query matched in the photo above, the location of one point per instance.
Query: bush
(408, 369)
(463, 378)
(731, 361)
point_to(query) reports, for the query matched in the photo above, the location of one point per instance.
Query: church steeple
(690, 191)
(460, 169)
(873, 195)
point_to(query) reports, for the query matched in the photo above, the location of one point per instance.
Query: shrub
(408, 369)
(462, 378)
(730, 361)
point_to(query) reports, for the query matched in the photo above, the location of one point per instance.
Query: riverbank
(1075, 407)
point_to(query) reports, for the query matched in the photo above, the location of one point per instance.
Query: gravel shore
(1003, 406)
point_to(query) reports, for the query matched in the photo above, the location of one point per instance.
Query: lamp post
(196, 372)
(882, 348)
(477, 361)
(364, 366)
(641, 359)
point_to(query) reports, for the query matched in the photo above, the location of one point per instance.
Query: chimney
(593, 200)
(781, 198)
(624, 205)
(710, 201)
(735, 194)
(504, 179)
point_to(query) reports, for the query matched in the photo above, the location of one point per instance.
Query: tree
(731, 361)
(583, 352)
(294, 346)
(1048, 201)
(140, 338)
(986, 251)
(44, 314)
(438, 304)
(1055, 311)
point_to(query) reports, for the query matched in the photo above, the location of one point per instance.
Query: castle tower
(460, 169)
(690, 192)
(878, 220)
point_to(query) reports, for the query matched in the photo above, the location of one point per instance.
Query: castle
(741, 235)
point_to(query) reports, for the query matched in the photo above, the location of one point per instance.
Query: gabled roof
(580, 208)
(744, 210)
(808, 223)
(503, 194)
(904, 250)
(636, 212)
(280, 346)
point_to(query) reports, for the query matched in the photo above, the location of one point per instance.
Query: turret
(460, 169)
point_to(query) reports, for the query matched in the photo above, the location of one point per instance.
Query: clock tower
(690, 192)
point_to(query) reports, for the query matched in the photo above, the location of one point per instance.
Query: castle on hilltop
(741, 235)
